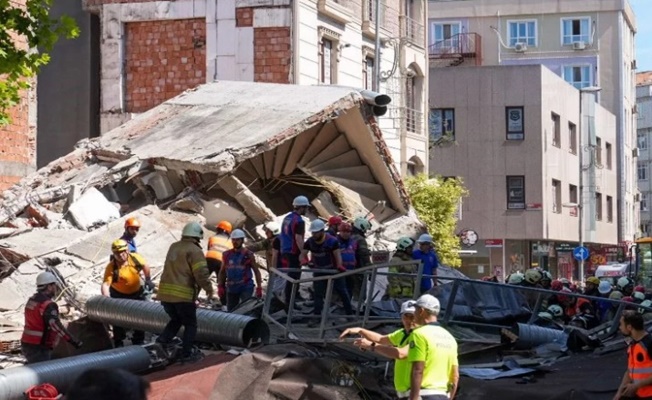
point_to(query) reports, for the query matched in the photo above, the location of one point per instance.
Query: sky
(643, 10)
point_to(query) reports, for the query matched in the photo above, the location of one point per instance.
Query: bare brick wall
(272, 55)
(244, 17)
(162, 59)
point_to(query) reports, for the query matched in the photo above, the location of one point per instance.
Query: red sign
(534, 206)
(493, 243)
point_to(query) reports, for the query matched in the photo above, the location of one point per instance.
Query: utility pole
(376, 80)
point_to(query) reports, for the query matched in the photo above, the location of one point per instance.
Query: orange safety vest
(222, 243)
(639, 364)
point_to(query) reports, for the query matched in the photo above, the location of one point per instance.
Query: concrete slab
(41, 241)
(92, 209)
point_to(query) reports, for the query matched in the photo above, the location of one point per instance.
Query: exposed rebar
(212, 326)
(62, 373)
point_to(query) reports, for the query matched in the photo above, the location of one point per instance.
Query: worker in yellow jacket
(184, 274)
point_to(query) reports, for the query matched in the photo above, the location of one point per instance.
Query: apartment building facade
(587, 43)
(644, 140)
(154, 50)
(513, 136)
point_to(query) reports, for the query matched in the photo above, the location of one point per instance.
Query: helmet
(273, 227)
(640, 288)
(132, 223)
(225, 226)
(616, 295)
(593, 280)
(334, 220)
(515, 278)
(546, 276)
(425, 238)
(556, 285)
(545, 315)
(362, 224)
(628, 299)
(604, 287)
(119, 246)
(300, 201)
(638, 297)
(45, 278)
(193, 230)
(646, 303)
(345, 227)
(563, 298)
(403, 243)
(556, 311)
(565, 282)
(237, 234)
(532, 276)
(317, 226)
(623, 282)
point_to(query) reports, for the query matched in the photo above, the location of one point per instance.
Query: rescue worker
(236, 278)
(565, 282)
(269, 245)
(400, 286)
(43, 328)
(433, 355)
(427, 255)
(546, 280)
(532, 277)
(637, 380)
(293, 230)
(184, 271)
(638, 297)
(349, 252)
(603, 306)
(132, 226)
(360, 227)
(217, 245)
(625, 285)
(557, 314)
(334, 225)
(515, 279)
(394, 346)
(591, 286)
(613, 307)
(325, 255)
(646, 310)
(122, 281)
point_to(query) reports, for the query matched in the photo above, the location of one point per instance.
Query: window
(642, 141)
(445, 35)
(368, 73)
(572, 137)
(598, 206)
(642, 172)
(556, 196)
(410, 102)
(515, 123)
(572, 193)
(556, 130)
(325, 62)
(598, 151)
(442, 123)
(371, 10)
(643, 201)
(607, 147)
(575, 30)
(578, 75)
(522, 32)
(516, 192)
(610, 209)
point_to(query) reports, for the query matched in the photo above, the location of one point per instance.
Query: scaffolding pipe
(62, 373)
(212, 326)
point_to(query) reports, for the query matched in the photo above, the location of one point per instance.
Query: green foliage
(436, 201)
(27, 34)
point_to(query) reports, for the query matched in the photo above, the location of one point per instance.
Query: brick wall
(244, 17)
(162, 59)
(272, 55)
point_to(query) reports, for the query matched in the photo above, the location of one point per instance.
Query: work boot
(194, 356)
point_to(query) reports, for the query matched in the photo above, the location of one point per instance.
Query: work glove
(76, 343)
(221, 291)
(259, 292)
(341, 268)
(149, 285)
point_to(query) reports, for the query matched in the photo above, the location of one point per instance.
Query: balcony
(411, 120)
(456, 50)
(413, 31)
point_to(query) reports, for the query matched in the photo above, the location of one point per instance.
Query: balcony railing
(412, 30)
(457, 49)
(412, 120)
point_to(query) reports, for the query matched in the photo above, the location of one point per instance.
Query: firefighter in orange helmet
(132, 226)
(217, 245)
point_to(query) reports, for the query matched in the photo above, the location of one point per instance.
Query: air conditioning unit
(579, 45)
(520, 47)
(635, 152)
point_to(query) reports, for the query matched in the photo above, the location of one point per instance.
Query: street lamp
(580, 200)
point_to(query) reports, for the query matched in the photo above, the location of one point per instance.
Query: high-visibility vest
(36, 331)
(221, 244)
(639, 364)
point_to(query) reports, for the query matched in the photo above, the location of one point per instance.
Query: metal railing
(460, 46)
(412, 120)
(412, 30)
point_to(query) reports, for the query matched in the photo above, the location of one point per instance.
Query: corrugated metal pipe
(212, 326)
(530, 336)
(62, 373)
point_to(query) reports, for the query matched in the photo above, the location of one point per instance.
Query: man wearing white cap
(394, 345)
(432, 354)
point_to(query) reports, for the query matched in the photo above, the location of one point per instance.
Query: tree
(436, 201)
(27, 34)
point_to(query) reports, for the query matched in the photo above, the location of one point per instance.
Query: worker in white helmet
(427, 255)
(293, 229)
(43, 328)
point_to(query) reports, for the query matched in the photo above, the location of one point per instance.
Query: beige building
(512, 134)
(587, 43)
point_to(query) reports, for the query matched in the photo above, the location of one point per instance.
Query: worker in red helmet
(132, 226)
(333, 225)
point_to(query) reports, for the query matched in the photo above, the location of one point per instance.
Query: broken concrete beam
(253, 206)
(216, 210)
(192, 202)
(325, 206)
(92, 209)
(14, 206)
